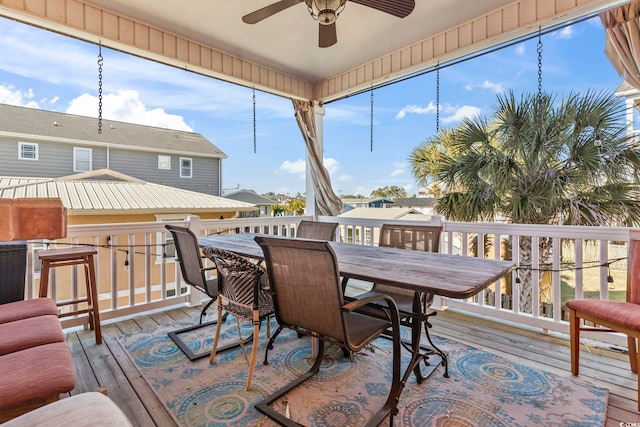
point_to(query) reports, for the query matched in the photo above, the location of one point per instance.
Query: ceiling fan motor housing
(325, 11)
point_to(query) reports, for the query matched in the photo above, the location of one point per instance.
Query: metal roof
(383, 213)
(59, 127)
(249, 196)
(87, 193)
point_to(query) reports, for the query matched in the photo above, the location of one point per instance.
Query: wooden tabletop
(446, 275)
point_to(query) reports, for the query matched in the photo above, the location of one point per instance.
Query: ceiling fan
(326, 12)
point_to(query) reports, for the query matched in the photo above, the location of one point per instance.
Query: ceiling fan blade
(399, 8)
(267, 11)
(327, 35)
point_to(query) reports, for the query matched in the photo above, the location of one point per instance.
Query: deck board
(108, 366)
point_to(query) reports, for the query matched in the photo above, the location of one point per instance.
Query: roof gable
(45, 125)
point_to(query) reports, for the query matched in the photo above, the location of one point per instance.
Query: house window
(185, 167)
(164, 162)
(27, 151)
(81, 159)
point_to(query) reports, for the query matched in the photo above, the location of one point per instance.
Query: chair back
(633, 267)
(305, 286)
(416, 237)
(189, 258)
(238, 278)
(317, 230)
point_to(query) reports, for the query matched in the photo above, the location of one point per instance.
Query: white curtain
(622, 43)
(327, 203)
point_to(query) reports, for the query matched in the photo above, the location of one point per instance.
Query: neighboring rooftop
(385, 213)
(106, 191)
(249, 196)
(414, 202)
(50, 125)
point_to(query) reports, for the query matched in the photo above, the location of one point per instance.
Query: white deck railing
(149, 280)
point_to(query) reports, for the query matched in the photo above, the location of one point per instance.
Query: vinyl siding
(56, 160)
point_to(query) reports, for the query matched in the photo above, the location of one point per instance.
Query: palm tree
(537, 161)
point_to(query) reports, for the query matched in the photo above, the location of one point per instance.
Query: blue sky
(44, 70)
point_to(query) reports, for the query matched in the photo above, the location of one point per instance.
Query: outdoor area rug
(483, 389)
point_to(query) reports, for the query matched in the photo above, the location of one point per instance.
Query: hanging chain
(438, 97)
(371, 131)
(100, 62)
(254, 120)
(539, 49)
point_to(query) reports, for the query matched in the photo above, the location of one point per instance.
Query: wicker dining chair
(242, 295)
(307, 297)
(317, 230)
(193, 273)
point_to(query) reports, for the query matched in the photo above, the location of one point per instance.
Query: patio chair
(241, 294)
(616, 316)
(193, 273)
(317, 230)
(412, 306)
(307, 297)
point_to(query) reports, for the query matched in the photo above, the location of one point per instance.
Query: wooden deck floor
(106, 366)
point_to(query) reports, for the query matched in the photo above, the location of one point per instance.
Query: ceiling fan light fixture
(325, 11)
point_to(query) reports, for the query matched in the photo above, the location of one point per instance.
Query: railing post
(194, 223)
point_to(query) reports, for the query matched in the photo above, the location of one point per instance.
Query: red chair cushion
(35, 374)
(31, 332)
(618, 312)
(13, 311)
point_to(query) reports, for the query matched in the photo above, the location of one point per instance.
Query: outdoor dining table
(445, 275)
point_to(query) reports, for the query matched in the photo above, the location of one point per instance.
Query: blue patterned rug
(483, 389)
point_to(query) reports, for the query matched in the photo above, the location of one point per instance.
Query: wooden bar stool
(80, 255)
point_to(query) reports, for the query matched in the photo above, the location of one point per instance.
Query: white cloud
(399, 169)
(414, 109)
(12, 96)
(299, 167)
(125, 106)
(448, 113)
(331, 164)
(457, 113)
(521, 49)
(296, 167)
(565, 33)
(487, 85)
(345, 178)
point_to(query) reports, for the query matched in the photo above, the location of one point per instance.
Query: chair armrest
(367, 298)
(207, 268)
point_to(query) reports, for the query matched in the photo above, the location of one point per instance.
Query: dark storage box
(13, 265)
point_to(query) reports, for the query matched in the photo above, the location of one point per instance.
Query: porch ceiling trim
(82, 20)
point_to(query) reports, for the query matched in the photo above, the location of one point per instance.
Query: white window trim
(190, 169)
(75, 151)
(162, 156)
(34, 144)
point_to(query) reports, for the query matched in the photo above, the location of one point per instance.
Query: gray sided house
(38, 143)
